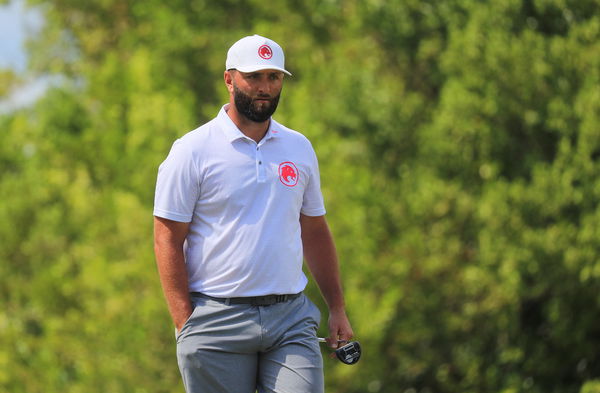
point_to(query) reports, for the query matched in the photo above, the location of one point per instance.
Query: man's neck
(248, 127)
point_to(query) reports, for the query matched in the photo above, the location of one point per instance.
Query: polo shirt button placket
(260, 169)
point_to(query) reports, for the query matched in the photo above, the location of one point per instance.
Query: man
(237, 207)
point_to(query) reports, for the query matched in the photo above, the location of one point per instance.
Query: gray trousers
(239, 348)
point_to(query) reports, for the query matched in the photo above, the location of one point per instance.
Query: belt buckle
(280, 298)
(268, 300)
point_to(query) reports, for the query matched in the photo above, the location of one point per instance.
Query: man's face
(256, 94)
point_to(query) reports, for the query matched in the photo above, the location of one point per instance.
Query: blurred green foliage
(459, 146)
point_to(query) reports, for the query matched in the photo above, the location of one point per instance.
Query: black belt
(267, 300)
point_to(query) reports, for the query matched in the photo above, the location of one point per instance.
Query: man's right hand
(182, 320)
(169, 237)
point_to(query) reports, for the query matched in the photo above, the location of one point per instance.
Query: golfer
(237, 207)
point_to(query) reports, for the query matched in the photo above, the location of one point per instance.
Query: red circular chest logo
(288, 173)
(265, 52)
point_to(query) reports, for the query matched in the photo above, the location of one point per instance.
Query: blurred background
(459, 145)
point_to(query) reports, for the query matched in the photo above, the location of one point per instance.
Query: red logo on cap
(265, 52)
(288, 173)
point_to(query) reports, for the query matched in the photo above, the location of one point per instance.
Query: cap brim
(262, 67)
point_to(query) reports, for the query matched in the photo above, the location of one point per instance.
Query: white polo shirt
(243, 200)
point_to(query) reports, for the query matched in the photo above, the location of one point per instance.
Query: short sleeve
(312, 204)
(177, 185)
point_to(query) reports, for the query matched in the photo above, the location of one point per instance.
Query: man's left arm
(321, 258)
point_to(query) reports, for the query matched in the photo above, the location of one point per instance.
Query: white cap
(255, 53)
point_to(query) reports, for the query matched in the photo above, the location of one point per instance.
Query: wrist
(337, 310)
(181, 321)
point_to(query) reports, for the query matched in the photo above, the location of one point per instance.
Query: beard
(257, 113)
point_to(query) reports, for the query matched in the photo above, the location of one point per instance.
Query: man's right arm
(169, 237)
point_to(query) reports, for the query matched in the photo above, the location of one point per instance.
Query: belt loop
(227, 301)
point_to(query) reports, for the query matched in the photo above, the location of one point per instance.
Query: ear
(228, 77)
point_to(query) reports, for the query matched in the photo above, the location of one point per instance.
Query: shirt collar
(233, 133)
